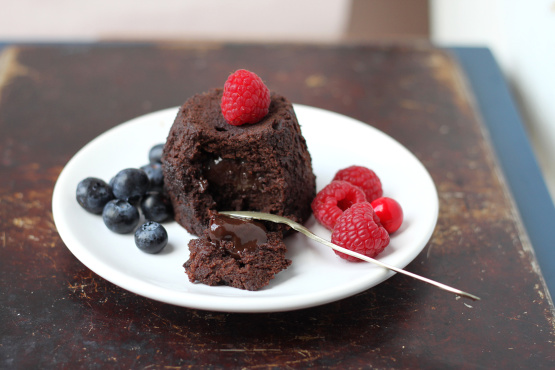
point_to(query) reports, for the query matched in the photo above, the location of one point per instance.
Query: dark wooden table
(56, 313)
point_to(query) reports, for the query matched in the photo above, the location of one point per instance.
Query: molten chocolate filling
(231, 173)
(245, 235)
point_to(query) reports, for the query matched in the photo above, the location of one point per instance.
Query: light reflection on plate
(316, 276)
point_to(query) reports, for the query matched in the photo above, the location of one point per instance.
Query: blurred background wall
(521, 34)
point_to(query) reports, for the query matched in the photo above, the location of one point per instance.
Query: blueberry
(120, 216)
(130, 184)
(93, 194)
(155, 153)
(156, 207)
(155, 175)
(151, 237)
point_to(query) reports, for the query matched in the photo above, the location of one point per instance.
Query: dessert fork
(300, 228)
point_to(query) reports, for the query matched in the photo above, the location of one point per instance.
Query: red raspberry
(245, 99)
(359, 230)
(333, 200)
(364, 178)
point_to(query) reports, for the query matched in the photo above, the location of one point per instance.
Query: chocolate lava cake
(239, 253)
(210, 165)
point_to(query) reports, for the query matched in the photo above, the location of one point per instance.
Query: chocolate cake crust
(238, 253)
(210, 165)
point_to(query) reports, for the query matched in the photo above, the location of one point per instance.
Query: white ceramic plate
(316, 276)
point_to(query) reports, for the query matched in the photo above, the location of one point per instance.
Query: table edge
(515, 155)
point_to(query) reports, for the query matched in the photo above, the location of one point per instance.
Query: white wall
(521, 34)
(245, 20)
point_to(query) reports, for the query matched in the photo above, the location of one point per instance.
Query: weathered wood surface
(57, 313)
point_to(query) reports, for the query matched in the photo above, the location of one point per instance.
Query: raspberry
(245, 98)
(364, 178)
(359, 230)
(333, 200)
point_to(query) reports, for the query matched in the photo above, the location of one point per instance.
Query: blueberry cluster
(132, 191)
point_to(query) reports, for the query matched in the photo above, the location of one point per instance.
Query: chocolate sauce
(245, 235)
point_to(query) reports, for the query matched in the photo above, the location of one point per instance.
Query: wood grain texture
(57, 313)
